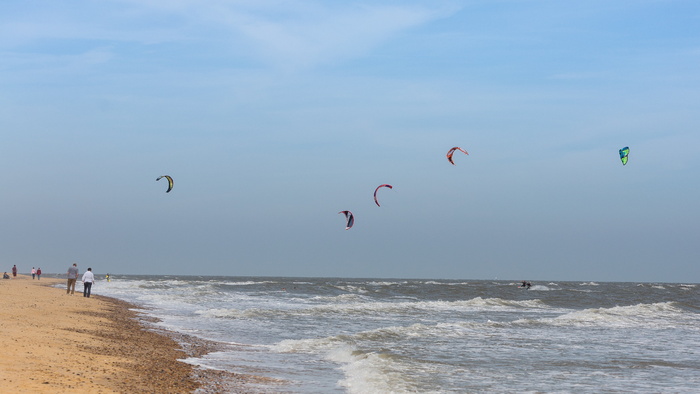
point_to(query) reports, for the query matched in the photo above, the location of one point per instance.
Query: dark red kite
(452, 152)
(377, 189)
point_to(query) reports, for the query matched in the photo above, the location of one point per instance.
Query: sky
(273, 116)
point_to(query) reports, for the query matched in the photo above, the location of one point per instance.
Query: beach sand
(54, 343)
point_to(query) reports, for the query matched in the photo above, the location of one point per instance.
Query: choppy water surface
(375, 335)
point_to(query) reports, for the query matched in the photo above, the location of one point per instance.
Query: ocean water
(334, 335)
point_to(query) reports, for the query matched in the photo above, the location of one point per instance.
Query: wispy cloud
(325, 35)
(283, 35)
(578, 76)
(292, 34)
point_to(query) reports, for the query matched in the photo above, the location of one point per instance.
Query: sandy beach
(53, 342)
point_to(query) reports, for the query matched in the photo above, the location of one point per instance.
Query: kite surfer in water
(526, 285)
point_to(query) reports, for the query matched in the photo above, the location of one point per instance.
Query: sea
(339, 335)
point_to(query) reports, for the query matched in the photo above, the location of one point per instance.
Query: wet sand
(53, 342)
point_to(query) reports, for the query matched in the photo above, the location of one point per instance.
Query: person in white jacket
(88, 278)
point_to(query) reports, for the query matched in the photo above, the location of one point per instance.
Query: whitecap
(372, 372)
(658, 315)
(539, 288)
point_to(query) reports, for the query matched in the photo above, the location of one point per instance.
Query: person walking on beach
(14, 271)
(88, 278)
(72, 277)
(38, 273)
(33, 273)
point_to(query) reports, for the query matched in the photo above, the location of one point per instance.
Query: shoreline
(54, 342)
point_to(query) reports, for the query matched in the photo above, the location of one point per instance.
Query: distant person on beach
(72, 277)
(38, 273)
(5, 275)
(88, 278)
(33, 273)
(14, 271)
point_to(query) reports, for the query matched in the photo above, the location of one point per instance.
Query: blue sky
(274, 116)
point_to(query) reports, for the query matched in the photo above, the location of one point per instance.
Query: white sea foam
(658, 315)
(371, 372)
(246, 283)
(364, 372)
(199, 362)
(316, 345)
(351, 288)
(500, 302)
(255, 313)
(309, 345)
(432, 282)
(540, 288)
(343, 298)
(375, 283)
(393, 334)
(589, 284)
(351, 307)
